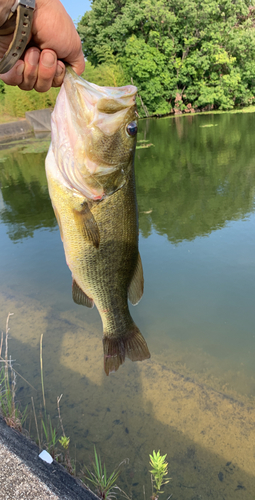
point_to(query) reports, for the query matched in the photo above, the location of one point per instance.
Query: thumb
(76, 60)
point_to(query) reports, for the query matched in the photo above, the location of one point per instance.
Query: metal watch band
(24, 18)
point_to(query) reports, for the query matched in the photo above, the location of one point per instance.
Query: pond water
(195, 398)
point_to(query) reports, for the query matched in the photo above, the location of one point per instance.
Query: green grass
(98, 477)
(8, 405)
(15, 102)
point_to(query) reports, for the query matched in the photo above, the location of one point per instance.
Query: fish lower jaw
(88, 192)
(97, 197)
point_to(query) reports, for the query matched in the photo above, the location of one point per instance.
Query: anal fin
(87, 224)
(80, 297)
(135, 290)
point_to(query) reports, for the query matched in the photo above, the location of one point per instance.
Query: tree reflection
(27, 206)
(199, 174)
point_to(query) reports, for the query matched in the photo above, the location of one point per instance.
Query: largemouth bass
(90, 172)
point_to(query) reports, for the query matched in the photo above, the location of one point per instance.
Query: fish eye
(132, 128)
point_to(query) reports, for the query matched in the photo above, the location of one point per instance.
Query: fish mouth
(85, 122)
(94, 95)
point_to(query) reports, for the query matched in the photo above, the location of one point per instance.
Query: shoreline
(24, 475)
(35, 122)
(11, 130)
(39, 121)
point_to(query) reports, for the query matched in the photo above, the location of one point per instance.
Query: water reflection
(196, 177)
(25, 194)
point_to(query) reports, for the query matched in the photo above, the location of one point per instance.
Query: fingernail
(60, 70)
(48, 59)
(33, 57)
(20, 68)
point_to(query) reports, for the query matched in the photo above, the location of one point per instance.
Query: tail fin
(131, 345)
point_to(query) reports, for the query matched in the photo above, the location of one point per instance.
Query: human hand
(53, 37)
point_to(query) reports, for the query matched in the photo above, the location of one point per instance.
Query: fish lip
(114, 92)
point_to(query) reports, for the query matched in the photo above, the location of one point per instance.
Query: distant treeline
(183, 55)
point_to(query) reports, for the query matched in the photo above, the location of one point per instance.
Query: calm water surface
(195, 398)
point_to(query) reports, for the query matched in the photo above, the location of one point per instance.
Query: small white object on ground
(46, 457)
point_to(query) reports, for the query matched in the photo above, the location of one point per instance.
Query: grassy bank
(14, 103)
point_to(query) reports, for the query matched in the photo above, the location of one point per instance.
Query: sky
(76, 8)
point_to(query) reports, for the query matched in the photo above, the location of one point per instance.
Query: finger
(31, 61)
(59, 76)
(15, 75)
(77, 62)
(46, 70)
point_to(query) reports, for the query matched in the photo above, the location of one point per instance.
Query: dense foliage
(181, 54)
(16, 102)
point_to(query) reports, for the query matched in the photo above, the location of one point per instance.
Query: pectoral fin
(135, 290)
(80, 297)
(58, 221)
(87, 224)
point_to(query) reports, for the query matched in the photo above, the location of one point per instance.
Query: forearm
(53, 39)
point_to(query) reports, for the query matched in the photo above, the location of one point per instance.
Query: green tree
(181, 55)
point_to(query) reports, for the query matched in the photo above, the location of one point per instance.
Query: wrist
(19, 23)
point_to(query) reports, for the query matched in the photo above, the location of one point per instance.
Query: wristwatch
(19, 23)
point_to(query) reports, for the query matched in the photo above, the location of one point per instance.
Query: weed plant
(158, 473)
(49, 436)
(105, 486)
(8, 406)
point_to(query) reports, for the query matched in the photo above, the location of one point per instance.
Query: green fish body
(90, 172)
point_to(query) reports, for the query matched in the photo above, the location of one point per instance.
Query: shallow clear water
(195, 398)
